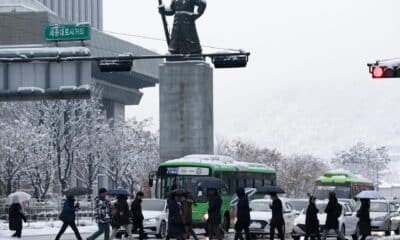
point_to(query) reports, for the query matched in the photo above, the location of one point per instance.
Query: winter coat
(333, 211)
(214, 210)
(184, 37)
(103, 210)
(16, 217)
(187, 212)
(121, 216)
(277, 213)
(364, 223)
(243, 212)
(68, 212)
(175, 223)
(312, 222)
(137, 213)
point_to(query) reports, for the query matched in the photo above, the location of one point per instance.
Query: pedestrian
(312, 222)
(121, 216)
(103, 215)
(364, 222)
(214, 213)
(333, 211)
(277, 220)
(187, 203)
(137, 214)
(175, 220)
(243, 215)
(16, 216)
(67, 216)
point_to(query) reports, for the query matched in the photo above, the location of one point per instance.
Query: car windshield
(379, 207)
(260, 206)
(153, 205)
(299, 205)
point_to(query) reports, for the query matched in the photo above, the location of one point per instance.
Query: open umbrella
(117, 192)
(179, 192)
(77, 191)
(249, 192)
(18, 197)
(269, 190)
(369, 195)
(210, 182)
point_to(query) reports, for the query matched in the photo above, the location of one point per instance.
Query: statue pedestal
(186, 109)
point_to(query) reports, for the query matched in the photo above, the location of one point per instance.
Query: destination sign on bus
(189, 171)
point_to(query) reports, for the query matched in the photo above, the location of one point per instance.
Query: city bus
(185, 172)
(344, 184)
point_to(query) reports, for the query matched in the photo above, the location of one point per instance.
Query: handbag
(62, 216)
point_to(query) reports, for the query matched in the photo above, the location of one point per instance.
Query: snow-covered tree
(363, 160)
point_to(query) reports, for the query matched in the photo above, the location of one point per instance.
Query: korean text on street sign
(67, 32)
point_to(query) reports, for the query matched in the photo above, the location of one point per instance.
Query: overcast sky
(307, 87)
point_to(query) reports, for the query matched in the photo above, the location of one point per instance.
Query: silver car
(381, 213)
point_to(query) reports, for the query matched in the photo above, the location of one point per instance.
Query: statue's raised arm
(184, 37)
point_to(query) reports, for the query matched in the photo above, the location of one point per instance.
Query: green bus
(344, 184)
(185, 172)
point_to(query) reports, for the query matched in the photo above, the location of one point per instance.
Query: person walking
(103, 215)
(137, 214)
(214, 214)
(333, 211)
(16, 216)
(277, 220)
(243, 215)
(121, 216)
(67, 216)
(175, 220)
(364, 222)
(312, 222)
(187, 203)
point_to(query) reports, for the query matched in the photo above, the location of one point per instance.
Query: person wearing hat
(68, 217)
(137, 214)
(103, 215)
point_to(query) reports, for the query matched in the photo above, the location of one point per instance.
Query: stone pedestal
(186, 109)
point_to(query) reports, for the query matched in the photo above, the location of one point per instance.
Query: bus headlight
(205, 217)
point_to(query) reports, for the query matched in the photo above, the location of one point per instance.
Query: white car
(347, 221)
(155, 217)
(261, 214)
(381, 213)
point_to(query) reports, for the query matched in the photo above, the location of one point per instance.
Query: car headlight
(380, 218)
(151, 220)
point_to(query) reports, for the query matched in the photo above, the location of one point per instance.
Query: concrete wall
(186, 109)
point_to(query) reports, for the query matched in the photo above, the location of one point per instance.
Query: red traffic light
(377, 72)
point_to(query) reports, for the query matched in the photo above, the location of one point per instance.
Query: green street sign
(67, 32)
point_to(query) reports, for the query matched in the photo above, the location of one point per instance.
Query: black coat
(16, 217)
(175, 221)
(121, 216)
(277, 213)
(243, 212)
(364, 223)
(68, 212)
(333, 211)
(137, 213)
(312, 222)
(214, 210)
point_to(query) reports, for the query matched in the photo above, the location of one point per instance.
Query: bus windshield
(322, 191)
(170, 179)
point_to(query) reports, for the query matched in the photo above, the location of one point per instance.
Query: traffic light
(385, 72)
(115, 65)
(236, 61)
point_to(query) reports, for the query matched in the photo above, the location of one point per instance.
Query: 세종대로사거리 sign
(67, 32)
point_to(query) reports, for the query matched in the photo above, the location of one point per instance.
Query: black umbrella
(179, 192)
(210, 183)
(117, 192)
(77, 191)
(269, 190)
